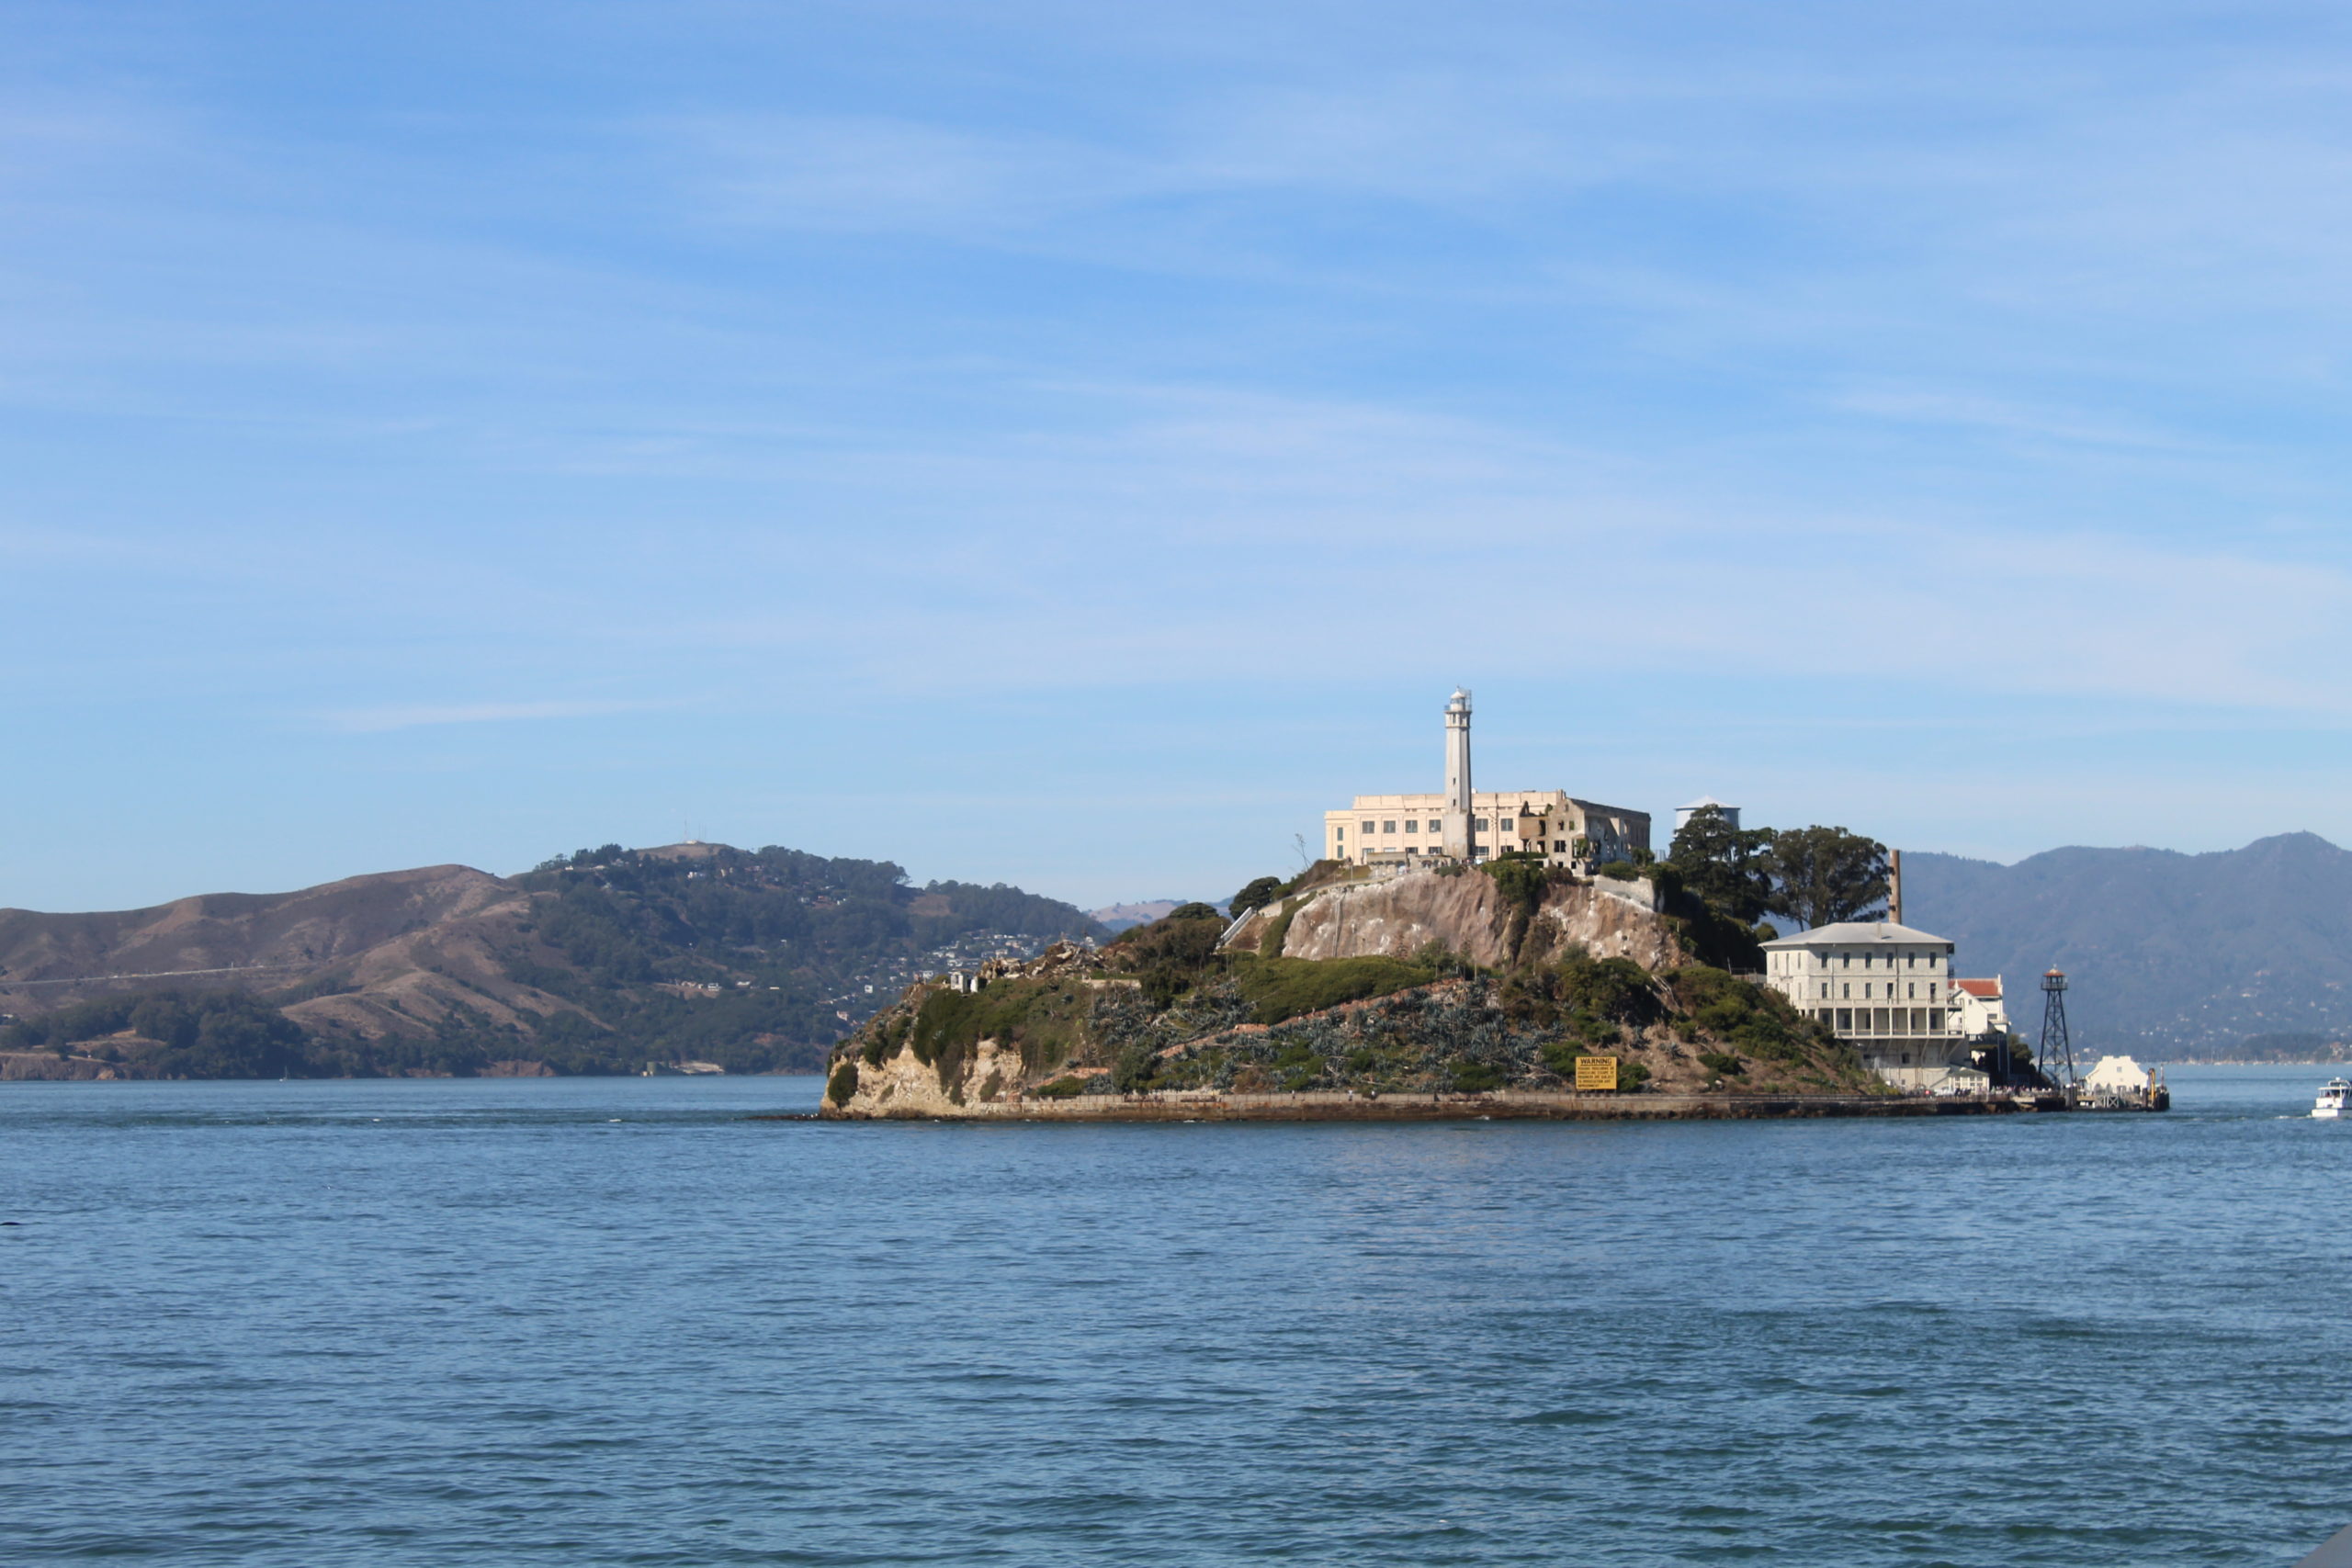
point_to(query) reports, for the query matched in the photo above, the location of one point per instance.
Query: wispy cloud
(413, 716)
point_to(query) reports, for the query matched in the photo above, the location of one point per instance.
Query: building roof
(1988, 990)
(1860, 934)
(1704, 802)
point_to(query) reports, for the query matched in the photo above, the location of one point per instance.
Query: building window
(1932, 990)
(1847, 991)
(1413, 825)
(1824, 990)
(1911, 991)
(1341, 831)
(1433, 827)
(1412, 849)
(1388, 827)
(1844, 1024)
(1482, 824)
(1866, 990)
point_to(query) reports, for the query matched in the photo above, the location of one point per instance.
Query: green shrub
(884, 1042)
(1137, 1067)
(1171, 955)
(1616, 989)
(1722, 1063)
(1619, 871)
(1279, 989)
(1476, 1078)
(1061, 1089)
(1519, 878)
(1758, 1020)
(1256, 894)
(843, 1084)
(1277, 931)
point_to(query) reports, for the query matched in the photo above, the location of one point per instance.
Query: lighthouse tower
(1457, 775)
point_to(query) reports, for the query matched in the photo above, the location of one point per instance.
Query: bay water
(600, 1321)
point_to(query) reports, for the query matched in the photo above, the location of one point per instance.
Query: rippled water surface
(621, 1321)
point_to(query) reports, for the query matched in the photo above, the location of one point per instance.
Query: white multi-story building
(1463, 823)
(1981, 1010)
(1885, 990)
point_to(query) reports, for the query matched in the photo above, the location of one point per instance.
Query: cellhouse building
(1462, 823)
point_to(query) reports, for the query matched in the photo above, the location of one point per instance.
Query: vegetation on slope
(1161, 1009)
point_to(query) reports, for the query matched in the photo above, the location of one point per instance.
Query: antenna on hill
(2057, 1050)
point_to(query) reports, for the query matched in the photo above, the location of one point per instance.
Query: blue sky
(1074, 445)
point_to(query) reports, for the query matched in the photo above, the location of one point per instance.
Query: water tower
(2057, 1053)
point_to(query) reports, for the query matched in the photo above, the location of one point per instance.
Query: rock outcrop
(1467, 914)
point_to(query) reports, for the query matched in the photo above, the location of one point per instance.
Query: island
(1511, 989)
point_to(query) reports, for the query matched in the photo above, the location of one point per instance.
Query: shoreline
(1496, 1106)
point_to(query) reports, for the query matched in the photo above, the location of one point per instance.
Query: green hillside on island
(598, 962)
(1513, 972)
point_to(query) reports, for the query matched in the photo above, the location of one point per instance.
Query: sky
(1075, 445)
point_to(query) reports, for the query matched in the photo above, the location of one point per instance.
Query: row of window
(1845, 989)
(1412, 824)
(1846, 960)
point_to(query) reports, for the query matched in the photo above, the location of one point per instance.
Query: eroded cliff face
(1467, 914)
(1609, 920)
(902, 1085)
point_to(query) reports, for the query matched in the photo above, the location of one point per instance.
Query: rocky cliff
(1469, 914)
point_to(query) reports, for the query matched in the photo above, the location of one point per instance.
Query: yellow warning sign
(1596, 1072)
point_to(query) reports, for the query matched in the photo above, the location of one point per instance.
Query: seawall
(1499, 1105)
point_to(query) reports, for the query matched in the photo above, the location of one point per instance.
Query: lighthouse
(1456, 839)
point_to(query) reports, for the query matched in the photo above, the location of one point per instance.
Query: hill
(2165, 954)
(1456, 982)
(595, 962)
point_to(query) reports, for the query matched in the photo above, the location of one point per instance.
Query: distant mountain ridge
(2167, 954)
(599, 962)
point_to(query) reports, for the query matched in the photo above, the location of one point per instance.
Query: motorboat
(2329, 1106)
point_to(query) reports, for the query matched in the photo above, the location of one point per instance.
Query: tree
(1727, 866)
(1260, 893)
(1823, 875)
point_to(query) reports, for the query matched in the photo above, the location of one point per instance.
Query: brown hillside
(409, 945)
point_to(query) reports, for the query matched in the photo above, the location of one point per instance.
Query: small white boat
(2330, 1103)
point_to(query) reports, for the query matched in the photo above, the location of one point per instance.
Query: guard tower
(1458, 802)
(2057, 1057)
